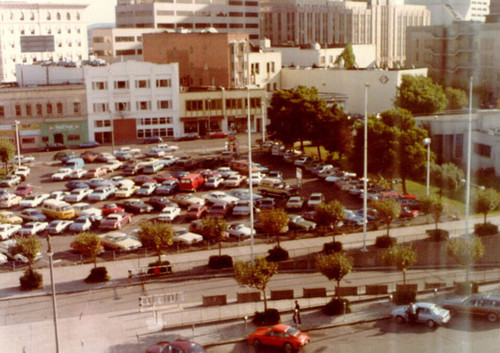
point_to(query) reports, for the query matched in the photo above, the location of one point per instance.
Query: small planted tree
(273, 222)
(90, 245)
(401, 257)
(156, 237)
(257, 275)
(29, 247)
(434, 206)
(334, 267)
(388, 210)
(465, 251)
(7, 151)
(328, 215)
(486, 201)
(446, 177)
(216, 229)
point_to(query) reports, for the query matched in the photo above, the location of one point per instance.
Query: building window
(194, 105)
(121, 84)
(68, 16)
(45, 139)
(73, 137)
(482, 150)
(2, 111)
(49, 108)
(28, 110)
(459, 145)
(166, 104)
(163, 83)
(144, 105)
(98, 86)
(18, 109)
(142, 84)
(59, 108)
(98, 123)
(27, 140)
(39, 110)
(100, 107)
(124, 39)
(76, 107)
(58, 16)
(49, 17)
(122, 106)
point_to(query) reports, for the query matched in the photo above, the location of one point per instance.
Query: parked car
(295, 203)
(77, 195)
(75, 184)
(146, 189)
(10, 200)
(110, 208)
(220, 198)
(63, 156)
(120, 241)
(81, 224)
(10, 217)
(116, 220)
(242, 208)
(177, 346)
(161, 177)
(61, 174)
(89, 144)
(234, 181)
(135, 206)
(214, 181)
(8, 230)
(189, 137)
(275, 174)
(89, 156)
(169, 213)
(10, 180)
(167, 187)
(427, 313)
(101, 193)
(58, 226)
(154, 139)
(225, 172)
(300, 161)
(33, 215)
(78, 173)
(219, 210)
(184, 236)
(298, 222)
(315, 199)
(280, 336)
(126, 191)
(155, 152)
(256, 179)
(55, 147)
(196, 211)
(186, 200)
(105, 157)
(158, 202)
(96, 172)
(483, 305)
(141, 179)
(22, 171)
(57, 195)
(217, 135)
(239, 230)
(23, 159)
(33, 200)
(33, 228)
(113, 166)
(266, 203)
(168, 160)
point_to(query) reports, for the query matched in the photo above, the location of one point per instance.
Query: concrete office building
(332, 23)
(224, 16)
(445, 12)
(32, 33)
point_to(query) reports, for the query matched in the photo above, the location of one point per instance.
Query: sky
(98, 11)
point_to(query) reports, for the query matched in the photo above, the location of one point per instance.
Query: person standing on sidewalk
(296, 314)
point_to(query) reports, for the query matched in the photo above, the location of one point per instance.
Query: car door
(424, 314)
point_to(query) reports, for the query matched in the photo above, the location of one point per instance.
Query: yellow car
(10, 217)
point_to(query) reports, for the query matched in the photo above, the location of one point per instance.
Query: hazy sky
(98, 11)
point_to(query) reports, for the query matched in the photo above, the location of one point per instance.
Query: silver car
(427, 313)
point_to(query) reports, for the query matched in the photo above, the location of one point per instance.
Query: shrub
(402, 297)
(437, 234)
(464, 288)
(220, 261)
(336, 307)
(384, 241)
(332, 247)
(31, 280)
(483, 229)
(159, 268)
(98, 274)
(267, 318)
(277, 254)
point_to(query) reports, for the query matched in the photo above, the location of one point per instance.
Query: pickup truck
(276, 188)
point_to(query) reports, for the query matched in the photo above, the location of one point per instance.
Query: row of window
(123, 84)
(24, 31)
(27, 109)
(32, 16)
(155, 121)
(207, 25)
(270, 67)
(126, 107)
(162, 132)
(231, 103)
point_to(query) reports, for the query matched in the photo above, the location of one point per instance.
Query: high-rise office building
(445, 12)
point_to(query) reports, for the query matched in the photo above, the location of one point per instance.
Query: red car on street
(281, 336)
(24, 190)
(110, 208)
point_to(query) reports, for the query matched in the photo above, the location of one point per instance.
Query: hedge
(31, 280)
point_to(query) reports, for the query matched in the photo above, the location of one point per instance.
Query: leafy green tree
(465, 251)
(329, 214)
(335, 266)
(90, 245)
(336, 132)
(486, 201)
(388, 210)
(29, 247)
(420, 95)
(255, 275)
(347, 56)
(273, 222)
(156, 236)
(7, 151)
(457, 99)
(433, 206)
(446, 177)
(214, 229)
(401, 257)
(411, 151)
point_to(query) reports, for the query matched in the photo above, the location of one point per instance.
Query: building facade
(46, 114)
(224, 16)
(31, 33)
(445, 12)
(131, 100)
(333, 23)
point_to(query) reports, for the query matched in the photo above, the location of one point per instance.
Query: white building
(132, 100)
(445, 12)
(225, 16)
(31, 33)
(265, 69)
(382, 89)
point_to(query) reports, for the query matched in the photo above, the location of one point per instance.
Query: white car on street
(234, 181)
(23, 159)
(77, 173)
(77, 195)
(10, 200)
(315, 199)
(239, 230)
(33, 200)
(8, 230)
(184, 236)
(426, 313)
(220, 198)
(169, 214)
(57, 195)
(58, 226)
(119, 241)
(294, 203)
(10, 180)
(146, 189)
(22, 171)
(61, 174)
(81, 224)
(168, 160)
(33, 228)
(101, 193)
(214, 181)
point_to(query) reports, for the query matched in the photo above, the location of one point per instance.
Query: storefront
(70, 133)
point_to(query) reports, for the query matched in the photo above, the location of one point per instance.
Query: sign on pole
(298, 174)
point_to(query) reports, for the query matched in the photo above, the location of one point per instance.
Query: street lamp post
(427, 141)
(263, 108)
(365, 169)
(18, 144)
(250, 186)
(50, 253)
(209, 101)
(467, 180)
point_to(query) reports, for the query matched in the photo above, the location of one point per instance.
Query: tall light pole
(209, 114)
(50, 253)
(365, 169)
(250, 186)
(263, 108)
(467, 177)
(17, 144)
(427, 141)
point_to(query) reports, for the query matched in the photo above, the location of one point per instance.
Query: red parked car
(24, 190)
(161, 177)
(281, 336)
(89, 156)
(141, 179)
(196, 211)
(110, 208)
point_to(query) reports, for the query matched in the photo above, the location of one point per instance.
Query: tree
(335, 266)
(447, 177)
(29, 247)
(487, 201)
(214, 229)
(336, 131)
(273, 222)
(7, 151)
(255, 275)
(90, 245)
(457, 99)
(465, 250)
(433, 206)
(420, 95)
(156, 236)
(401, 257)
(348, 57)
(388, 210)
(329, 214)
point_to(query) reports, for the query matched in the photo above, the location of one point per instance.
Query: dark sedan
(89, 144)
(55, 147)
(159, 203)
(135, 206)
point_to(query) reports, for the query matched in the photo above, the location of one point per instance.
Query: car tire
(400, 320)
(492, 317)
(288, 348)
(256, 343)
(431, 324)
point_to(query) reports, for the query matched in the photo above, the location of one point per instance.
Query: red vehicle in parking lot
(196, 211)
(24, 190)
(110, 208)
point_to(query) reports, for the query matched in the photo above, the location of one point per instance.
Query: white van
(153, 168)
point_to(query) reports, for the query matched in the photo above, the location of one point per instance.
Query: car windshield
(180, 232)
(292, 331)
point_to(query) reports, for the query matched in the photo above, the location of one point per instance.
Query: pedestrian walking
(296, 314)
